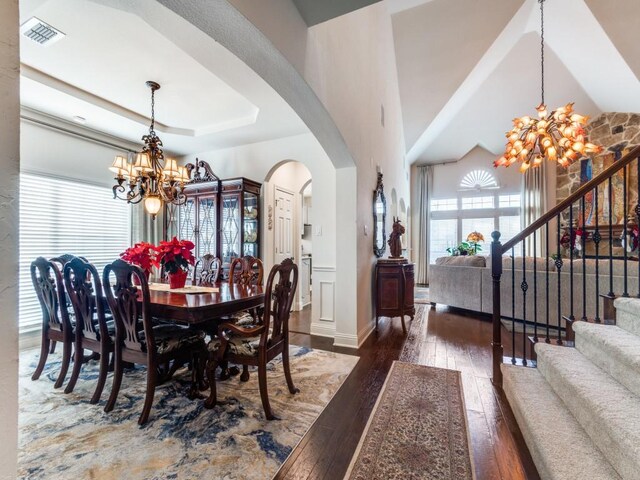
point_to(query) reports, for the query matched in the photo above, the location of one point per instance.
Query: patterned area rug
(417, 429)
(65, 437)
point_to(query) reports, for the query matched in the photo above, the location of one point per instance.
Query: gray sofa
(465, 282)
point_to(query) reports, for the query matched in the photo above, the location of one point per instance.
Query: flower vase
(178, 279)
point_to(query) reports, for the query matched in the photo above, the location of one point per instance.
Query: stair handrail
(498, 249)
(574, 197)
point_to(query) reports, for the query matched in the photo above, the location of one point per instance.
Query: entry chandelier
(558, 136)
(150, 177)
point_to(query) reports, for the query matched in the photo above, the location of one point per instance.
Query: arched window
(478, 180)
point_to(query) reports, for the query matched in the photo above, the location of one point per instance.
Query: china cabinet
(221, 217)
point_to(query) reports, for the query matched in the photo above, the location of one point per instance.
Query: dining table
(194, 306)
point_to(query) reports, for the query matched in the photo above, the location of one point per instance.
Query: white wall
(47, 151)
(10, 167)
(258, 161)
(351, 67)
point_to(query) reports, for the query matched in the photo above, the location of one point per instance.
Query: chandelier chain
(542, 48)
(153, 112)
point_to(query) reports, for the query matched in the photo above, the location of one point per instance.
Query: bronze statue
(395, 245)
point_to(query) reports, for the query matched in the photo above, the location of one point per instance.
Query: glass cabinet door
(207, 226)
(251, 225)
(187, 221)
(230, 227)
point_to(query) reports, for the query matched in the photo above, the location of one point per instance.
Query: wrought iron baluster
(535, 289)
(624, 230)
(596, 240)
(572, 233)
(637, 211)
(546, 283)
(513, 306)
(610, 198)
(558, 264)
(524, 287)
(584, 261)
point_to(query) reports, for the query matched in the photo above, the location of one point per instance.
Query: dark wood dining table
(196, 308)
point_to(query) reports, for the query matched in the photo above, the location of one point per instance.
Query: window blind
(61, 216)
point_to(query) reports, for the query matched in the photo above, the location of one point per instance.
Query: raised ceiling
(465, 69)
(209, 99)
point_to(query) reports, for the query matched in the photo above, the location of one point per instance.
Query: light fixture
(150, 177)
(558, 136)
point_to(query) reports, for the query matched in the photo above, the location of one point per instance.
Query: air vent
(40, 32)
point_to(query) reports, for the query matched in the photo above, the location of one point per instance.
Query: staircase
(579, 410)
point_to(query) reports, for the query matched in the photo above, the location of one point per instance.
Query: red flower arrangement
(175, 255)
(141, 254)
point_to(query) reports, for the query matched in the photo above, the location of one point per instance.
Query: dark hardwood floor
(449, 339)
(300, 322)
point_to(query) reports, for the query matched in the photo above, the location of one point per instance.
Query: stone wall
(615, 132)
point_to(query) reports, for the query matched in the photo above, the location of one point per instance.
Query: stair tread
(613, 349)
(607, 411)
(549, 428)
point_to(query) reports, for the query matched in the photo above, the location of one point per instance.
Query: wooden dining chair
(56, 325)
(258, 344)
(92, 330)
(207, 270)
(154, 345)
(246, 270)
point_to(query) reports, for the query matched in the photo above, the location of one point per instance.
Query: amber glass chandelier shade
(152, 204)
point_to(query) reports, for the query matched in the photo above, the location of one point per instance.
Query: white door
(284, 225)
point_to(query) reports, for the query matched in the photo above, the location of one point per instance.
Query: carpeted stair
(579, 411)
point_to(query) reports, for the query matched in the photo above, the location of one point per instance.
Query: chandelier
(559, 136)
(150, 177)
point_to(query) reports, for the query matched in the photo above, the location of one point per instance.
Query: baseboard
(323, 329)
(354, 341)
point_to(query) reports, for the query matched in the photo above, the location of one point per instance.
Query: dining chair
(56, 324)
(258, 344)
(94, 331)
(207, 270)
(246, 270)
(154, 345)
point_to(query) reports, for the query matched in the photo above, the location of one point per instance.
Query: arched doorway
(288, 201)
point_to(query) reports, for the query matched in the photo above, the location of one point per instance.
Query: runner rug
(65, 437)
(417, 429)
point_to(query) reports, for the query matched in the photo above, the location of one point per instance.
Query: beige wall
(351, 66)
(10, 166)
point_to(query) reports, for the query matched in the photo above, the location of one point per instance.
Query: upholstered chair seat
(170, 338)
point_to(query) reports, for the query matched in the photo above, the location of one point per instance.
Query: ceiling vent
(40, 32)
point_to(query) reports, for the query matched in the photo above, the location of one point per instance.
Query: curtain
(143, 227)
(534, 204)
(425, 190)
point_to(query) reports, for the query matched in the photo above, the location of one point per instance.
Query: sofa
(465, 282)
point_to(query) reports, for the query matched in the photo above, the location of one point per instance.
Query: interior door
(283, 225)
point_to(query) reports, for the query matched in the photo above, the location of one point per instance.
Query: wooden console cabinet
(394, 282)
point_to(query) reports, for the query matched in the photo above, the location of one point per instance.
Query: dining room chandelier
(149, 177)
(559, 136)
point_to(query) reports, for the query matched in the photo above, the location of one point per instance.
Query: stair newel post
(524, 287)
(596, 241)
(496, 273)
(559, 264)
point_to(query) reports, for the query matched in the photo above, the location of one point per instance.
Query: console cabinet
(394, 283)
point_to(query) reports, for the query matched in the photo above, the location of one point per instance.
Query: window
(506, 201)
(481, 225)
(469, 203)
(60, 216)
(478, 179)
(444, 234)
(509, 227)
(444, 205)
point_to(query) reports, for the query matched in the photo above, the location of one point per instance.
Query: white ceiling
(208, 98)
(466, 69)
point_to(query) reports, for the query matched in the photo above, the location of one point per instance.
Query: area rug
(417, 429)
(65, 437)
(421, 295)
